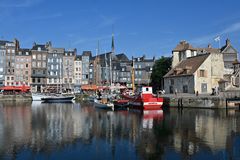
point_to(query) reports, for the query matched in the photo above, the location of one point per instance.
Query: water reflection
(67, 131)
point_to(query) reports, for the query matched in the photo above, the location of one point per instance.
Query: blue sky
(150, 27)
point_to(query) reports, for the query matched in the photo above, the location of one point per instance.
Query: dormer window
(27, 53)
(39, 48)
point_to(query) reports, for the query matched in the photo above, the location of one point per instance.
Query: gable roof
(190, 65)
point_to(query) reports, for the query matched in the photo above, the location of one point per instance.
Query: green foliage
(160, 68)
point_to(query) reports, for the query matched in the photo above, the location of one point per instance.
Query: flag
(217, 38)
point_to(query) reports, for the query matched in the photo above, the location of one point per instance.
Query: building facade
(39, 67)
(68, 69)
(86, 56)
(78, 73)
(2, 62)
(143, 70)
(198, 74)
(54, 69)
(11, 49)
(23, 62)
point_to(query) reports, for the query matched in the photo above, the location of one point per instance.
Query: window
(172, 81)
(34, 56)
(39, 64)
(44, 57)
(39, 56)
(185, 89)
(39, 80)
(202, 73)
(33, 64)
(8, 78)
(34, 71)
(33, 80)
(39, 49)
(26, 65)
(12, 78)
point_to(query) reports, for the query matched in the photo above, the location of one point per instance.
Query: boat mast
(133, 75)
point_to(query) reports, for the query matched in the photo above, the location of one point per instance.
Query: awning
(89, 87)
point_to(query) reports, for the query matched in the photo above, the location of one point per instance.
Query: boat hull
(58, 99)
(103, 106)
(145, 104)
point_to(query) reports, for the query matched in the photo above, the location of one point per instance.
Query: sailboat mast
(133, 75)
(113, 49)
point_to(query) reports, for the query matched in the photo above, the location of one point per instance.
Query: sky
(140, 27)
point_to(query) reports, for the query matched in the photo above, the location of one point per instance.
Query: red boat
(145, 100)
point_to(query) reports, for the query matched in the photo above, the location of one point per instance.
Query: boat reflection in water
(74, 131)
(150, 115)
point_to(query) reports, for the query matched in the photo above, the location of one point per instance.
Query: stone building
(11, 49)
(23, 67)
(68, 69)
(86, 56)
(78, 73)
(200, 74)
(39, 67)
(2, 61)
(143, 70)
(54, 68)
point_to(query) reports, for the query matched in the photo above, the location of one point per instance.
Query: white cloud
(210, 37)
(233, 28)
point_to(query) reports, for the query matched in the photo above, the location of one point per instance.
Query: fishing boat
(121, 104)
(102, 104)
(144, 100)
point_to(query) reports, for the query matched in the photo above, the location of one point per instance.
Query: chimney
(228, 42)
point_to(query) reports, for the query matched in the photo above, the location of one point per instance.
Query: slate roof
(23, 52)
(122, 57)
(87, 53)
(57, 50)
(43, 47)
(2, 42)
(188, 66)
(78, 57)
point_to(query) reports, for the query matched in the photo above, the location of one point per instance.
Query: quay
(225, 100)
(16, 97)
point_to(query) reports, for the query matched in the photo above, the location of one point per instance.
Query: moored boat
(145, 100)
(38, 96)
(58, 99)
(101, 105)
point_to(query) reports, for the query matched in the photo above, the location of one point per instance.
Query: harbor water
(79, 131)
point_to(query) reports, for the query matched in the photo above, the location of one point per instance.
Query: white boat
(38, 96)
(58, 99)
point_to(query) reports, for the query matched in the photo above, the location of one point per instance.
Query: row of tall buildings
(47, 67)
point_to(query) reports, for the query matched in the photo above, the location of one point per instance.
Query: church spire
(113, 47)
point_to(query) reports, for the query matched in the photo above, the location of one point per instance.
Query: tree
(160, 68)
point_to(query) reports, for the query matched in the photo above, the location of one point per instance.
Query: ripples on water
(73, 131)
